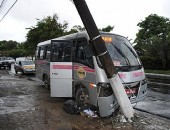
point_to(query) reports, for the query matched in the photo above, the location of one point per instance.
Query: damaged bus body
(69, 68)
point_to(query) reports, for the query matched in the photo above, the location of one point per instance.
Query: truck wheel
(46, 82)
(82, 97)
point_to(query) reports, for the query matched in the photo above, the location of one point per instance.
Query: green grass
(158, 71)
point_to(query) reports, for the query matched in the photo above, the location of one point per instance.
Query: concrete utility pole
(104, 57)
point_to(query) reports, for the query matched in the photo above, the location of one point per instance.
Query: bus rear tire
(82, 97)
(46, 82)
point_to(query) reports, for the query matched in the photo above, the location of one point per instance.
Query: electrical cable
(8, 10)
(2, 4)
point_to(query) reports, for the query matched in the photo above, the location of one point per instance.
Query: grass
(158, 71)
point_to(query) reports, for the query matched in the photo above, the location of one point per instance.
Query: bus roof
(76, 35)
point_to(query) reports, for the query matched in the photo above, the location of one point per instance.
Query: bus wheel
(46, 82)
(82, 97)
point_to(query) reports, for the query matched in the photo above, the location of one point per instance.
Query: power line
(8, 10)
(2, 4)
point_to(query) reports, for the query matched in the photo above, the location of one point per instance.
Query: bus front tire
(82, 97)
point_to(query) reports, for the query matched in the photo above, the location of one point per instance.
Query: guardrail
(161, 79)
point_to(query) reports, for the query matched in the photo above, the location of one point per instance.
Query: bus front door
(61, 69)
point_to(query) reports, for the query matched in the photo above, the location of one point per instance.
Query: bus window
(55, 52)
(61, 52)
(47, 53)
(67, 52)
(83, 54)
(37, 54)
(42, 53)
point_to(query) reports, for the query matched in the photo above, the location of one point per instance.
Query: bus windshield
(122, 52)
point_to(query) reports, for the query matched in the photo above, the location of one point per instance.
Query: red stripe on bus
(67, 67)
(138, 74)
(87, 69)
(75, 67)
(123, 76)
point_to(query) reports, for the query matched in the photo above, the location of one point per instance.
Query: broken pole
(100, 50)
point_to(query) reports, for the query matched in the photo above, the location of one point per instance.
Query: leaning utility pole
(104, 57)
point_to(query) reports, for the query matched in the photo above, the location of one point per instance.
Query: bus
(69, 68)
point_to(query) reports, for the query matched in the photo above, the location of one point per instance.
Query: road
(26, 105)
(157, 101)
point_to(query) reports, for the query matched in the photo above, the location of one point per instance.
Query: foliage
(17, 53)
(46, 29)
(78, 28)
(167, 72)
(107, 29)
(151, 62)
(153, 38)
(50, 28)
(7, 45)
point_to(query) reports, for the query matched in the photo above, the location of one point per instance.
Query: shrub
(151, 63)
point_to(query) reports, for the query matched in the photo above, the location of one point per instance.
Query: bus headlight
(104, 89)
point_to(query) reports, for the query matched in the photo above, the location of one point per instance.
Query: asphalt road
(26, 105)
(157, 101)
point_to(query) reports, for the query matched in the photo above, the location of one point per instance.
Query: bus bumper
(107, 105)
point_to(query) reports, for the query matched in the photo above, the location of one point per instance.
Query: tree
(107, 29)
(49, 28)
(7, 46)
(153, 38)
(78, 28)
(46, 29)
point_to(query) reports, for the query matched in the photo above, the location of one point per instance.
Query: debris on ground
(71, 107)
(89, 113)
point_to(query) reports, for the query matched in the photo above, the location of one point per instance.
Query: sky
(124, 15)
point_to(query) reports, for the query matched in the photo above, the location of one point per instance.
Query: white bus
(69, 68)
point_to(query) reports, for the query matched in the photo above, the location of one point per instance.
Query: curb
(158, 78)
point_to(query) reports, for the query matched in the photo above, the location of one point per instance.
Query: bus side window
(67, 52)
(37, 54)
(42, 52)
(48, 51)
(61, 52)
(83, 54)
(55, 49)
(57, 52)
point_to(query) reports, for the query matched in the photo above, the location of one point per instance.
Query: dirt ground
(26, 105)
